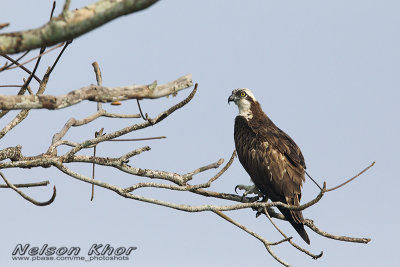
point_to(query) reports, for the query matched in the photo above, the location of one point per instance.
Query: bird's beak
(231, 98)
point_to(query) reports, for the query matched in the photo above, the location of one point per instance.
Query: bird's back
(273, 173)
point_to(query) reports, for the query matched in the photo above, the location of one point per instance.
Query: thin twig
(66, 6)
(33, 201)
(312, 226)
(135, 127)
(25, 112)
(13, 63)
(263, 240)
(140, 109)
(93, 174)
(11, 85)
(314, 256)
(119, 116)
(32, 59)
(44, 183)
(137, 139)
(3, 25)
(22, 67)
(320, 188)
(99, 80)
(351, 179)
(27, 82)
(14, 122)
(215, 177)
(96, 134)
(214, 165)
(52, 9)
(97, 72)
(67, 43)
(127, 156)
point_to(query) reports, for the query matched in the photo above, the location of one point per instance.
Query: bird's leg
(249, 189)
(261, 209)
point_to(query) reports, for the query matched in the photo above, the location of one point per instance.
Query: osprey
(271, 158)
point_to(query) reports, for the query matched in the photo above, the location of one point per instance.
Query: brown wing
(267, 130)
(285, 158)
(260, 152)
(277, 175)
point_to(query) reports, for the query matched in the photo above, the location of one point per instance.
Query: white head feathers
(243, 98)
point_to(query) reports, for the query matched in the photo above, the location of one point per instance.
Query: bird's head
(244, 99)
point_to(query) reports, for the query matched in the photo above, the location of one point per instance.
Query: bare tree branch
(165, 180)
(312, 226)
(3, 25)
(135, 127)
(33, 201)
(11, 85)
(351, 179)
(215, 177)
(94, 93)
(136, 139)
(263, 240)
(17, 120)
(7, 66)
(44, 183)
(314, 256)
(99, 80)
(70, 24)
(66, 7)
(12, 153)
(214, 165)
(41, 54)
(22, 67)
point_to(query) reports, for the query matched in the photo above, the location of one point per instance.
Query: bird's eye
(242, 94)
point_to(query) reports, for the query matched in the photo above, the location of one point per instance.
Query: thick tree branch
(131, 128)
(70, 24)
(94, 93)
(180, 185)
(12, 153)
(170, 180)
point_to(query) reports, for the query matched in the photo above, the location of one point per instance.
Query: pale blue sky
(326, 72)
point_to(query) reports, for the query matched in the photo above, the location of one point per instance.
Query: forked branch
(22, 194)
(12, 157)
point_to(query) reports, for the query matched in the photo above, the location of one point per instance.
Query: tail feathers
(298, 226)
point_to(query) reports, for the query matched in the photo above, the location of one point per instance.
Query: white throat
(245, 109)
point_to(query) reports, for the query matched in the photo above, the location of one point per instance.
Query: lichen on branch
(70, 24)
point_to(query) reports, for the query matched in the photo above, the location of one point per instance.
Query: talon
(248, 189)
(236, 187)
(259, 212)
